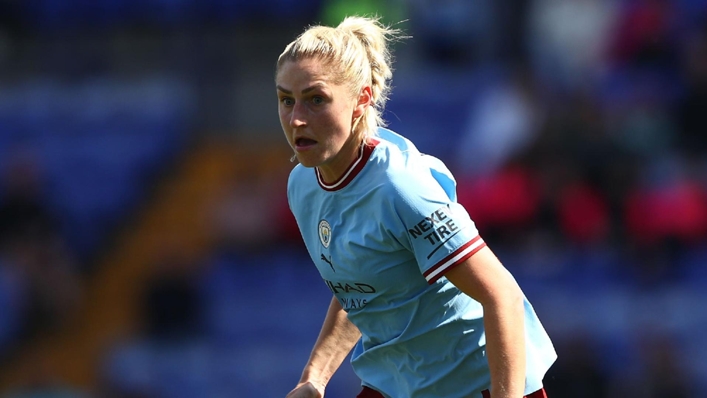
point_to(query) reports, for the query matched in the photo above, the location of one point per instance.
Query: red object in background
(583, 213)
(287, 228)
(509, 197)
(642, 24)
(537, 394)
(676, 211)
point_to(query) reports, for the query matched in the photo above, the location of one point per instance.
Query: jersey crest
(324, 233)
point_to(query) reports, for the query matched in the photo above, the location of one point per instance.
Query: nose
(297, 118)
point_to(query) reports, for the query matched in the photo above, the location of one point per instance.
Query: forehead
(303, 71)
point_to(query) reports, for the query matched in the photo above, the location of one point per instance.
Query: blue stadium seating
(99, 143)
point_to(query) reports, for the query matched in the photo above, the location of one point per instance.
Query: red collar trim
(352, 171)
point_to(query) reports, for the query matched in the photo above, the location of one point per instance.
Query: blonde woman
(427, 308)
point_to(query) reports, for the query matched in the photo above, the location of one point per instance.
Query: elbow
(509, 300)
(515, 298)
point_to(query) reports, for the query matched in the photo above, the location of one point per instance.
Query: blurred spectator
(247, 215)
(691, 109)
(664, 216)
(583, 214)
(24, 212)
(502, 122)
(645, 34)
(34, 249)
(503, 204)
(455, 32)
(513, 21)
(53, 289)
(643, 127)
(170, 305)
(674, 210)
(583, 174)
(568, 40)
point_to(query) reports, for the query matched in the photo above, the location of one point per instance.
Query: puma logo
(328, 261)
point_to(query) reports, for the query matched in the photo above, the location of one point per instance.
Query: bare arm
(484, 279)
(336, 339)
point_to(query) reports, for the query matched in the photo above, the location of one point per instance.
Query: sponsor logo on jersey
(324, 233)
(436, 229)
(348, 287)
(351, 288)
(328, 261)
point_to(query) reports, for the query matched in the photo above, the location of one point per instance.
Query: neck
(335, 169)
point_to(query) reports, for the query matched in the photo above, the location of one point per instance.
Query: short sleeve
(436, 228)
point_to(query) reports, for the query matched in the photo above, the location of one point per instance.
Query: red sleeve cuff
(455, 258)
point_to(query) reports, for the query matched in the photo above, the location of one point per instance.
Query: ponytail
(374, 38)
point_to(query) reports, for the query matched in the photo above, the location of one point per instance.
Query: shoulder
(394, 154)
(410, 172)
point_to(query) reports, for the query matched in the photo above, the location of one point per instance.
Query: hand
(306, 390)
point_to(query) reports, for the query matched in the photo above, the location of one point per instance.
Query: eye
(317, 100)
(287, 101)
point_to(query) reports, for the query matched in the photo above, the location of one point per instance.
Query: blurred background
(146, 246)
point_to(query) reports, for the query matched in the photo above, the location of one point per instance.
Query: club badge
(324, 233)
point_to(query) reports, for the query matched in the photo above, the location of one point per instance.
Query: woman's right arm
(336, 339)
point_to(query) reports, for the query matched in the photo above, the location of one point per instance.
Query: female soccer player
(426, 306)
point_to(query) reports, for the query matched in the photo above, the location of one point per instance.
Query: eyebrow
(305, 91)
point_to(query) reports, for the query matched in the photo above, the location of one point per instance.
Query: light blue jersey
(382, 238)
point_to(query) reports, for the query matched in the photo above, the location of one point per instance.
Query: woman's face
(317, 115)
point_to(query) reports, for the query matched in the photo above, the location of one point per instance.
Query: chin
(304, 161)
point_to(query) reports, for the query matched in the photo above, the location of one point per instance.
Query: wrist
(506, 392)
(316, 378)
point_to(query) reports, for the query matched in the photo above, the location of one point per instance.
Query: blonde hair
(357, 53)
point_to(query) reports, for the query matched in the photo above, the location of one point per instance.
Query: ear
(364, 101)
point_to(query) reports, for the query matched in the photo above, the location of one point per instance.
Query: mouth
(302, 143)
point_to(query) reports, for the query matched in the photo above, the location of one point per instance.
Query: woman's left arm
(485, 279)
